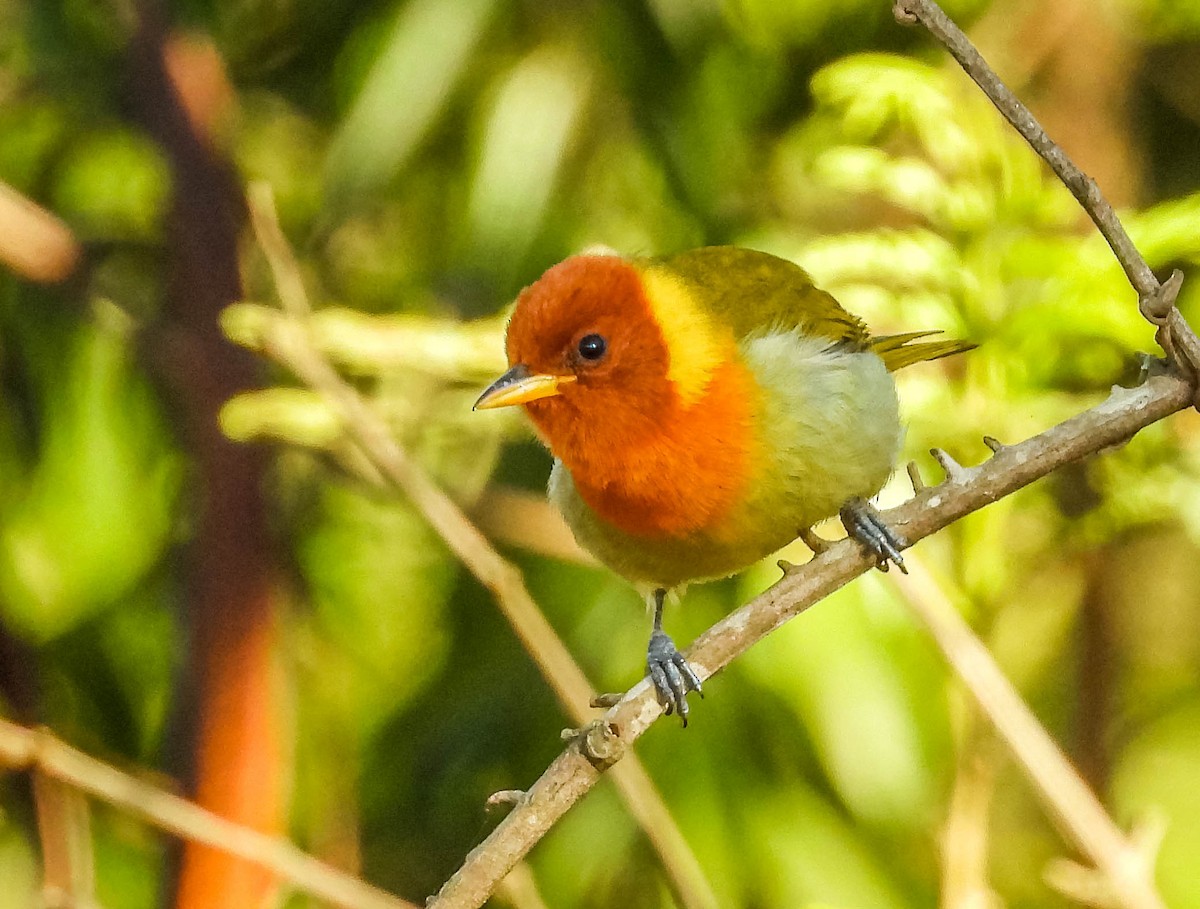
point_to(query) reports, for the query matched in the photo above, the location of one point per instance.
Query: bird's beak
(520, 386)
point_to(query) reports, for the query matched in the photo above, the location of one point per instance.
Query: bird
(703, 409)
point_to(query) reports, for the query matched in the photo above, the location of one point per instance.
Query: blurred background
(194, 587)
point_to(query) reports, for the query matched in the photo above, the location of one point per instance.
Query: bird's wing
(755, 292)
(898, 351)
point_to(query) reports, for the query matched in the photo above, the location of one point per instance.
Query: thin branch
(600, 745)
(292, 345)
(25, 749)
(35, 243)
(519, 889)
(964, 836)
(1082, 187)
(1155, 300)
(1091, 887)
(1064, 791)
(285, 270)
(64, 828)
(1072, 804)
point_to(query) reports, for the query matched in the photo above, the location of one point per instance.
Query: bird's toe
(867, 526)
(671, 675)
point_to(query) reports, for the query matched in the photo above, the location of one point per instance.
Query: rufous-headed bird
(703, 409)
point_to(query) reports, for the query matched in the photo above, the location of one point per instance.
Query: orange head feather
(648, 455)
(617, 398)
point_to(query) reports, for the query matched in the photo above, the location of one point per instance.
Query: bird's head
(601, 349)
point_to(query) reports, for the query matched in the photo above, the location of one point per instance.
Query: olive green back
(755, 292)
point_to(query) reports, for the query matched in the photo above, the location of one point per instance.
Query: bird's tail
(896, 351)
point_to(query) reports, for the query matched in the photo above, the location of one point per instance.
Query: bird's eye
(592, 347)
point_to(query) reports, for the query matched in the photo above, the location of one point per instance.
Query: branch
(24, 749)
(238, 765)
(291, 343)
(1077, 810)
(1127, 873)
(1156, 301)
(963, 837)
(602, 744)
(35, 243)
(64, 828)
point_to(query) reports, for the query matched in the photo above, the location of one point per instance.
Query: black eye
(592, 347)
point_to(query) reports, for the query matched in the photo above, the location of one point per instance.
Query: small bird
(703, 409)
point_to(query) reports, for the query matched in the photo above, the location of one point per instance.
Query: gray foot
(673, 678)
(864, 523)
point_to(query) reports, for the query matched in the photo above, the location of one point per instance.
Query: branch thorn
(1156, 306)
(954, 471)
(914, 477)
(504, 797)
(904, 14)
(809, 537)
(598, 742)
(994, 444)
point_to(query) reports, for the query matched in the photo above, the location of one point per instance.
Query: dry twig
(578, 768)
(963, 839)
(1078, 812)
(64, 828)
(24, 749)
(291, 344)
(1155, 300)
(601, 744)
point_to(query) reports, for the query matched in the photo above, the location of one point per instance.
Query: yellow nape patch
(696, 345)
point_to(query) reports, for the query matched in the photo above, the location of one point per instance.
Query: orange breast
(689, 474)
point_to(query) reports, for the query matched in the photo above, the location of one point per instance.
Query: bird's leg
(866, 525)
(673, 678)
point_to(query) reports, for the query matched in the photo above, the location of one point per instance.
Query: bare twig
(25, 749)
(1078, 812)
(578, 768)
(1082, 187)
(291, 344)
(1156, 301)
(1125, 871)
(602, 744)
(519, 889)
(964, 836)
(285, 270)
(64, 827)
(528, 521)
(1089, 886)
(35, 243)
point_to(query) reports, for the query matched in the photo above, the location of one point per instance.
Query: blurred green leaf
(406, 89)
(1156, 775)
(113, 186)
(526, 135)
(843, 671)
(811, 856)
(18, 868)
(96, 512)
(378, 579)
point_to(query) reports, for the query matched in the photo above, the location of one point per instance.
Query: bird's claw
(673, 678)
(867, 526)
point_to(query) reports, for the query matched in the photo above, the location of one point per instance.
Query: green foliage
(86, 519)
(429, 159)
